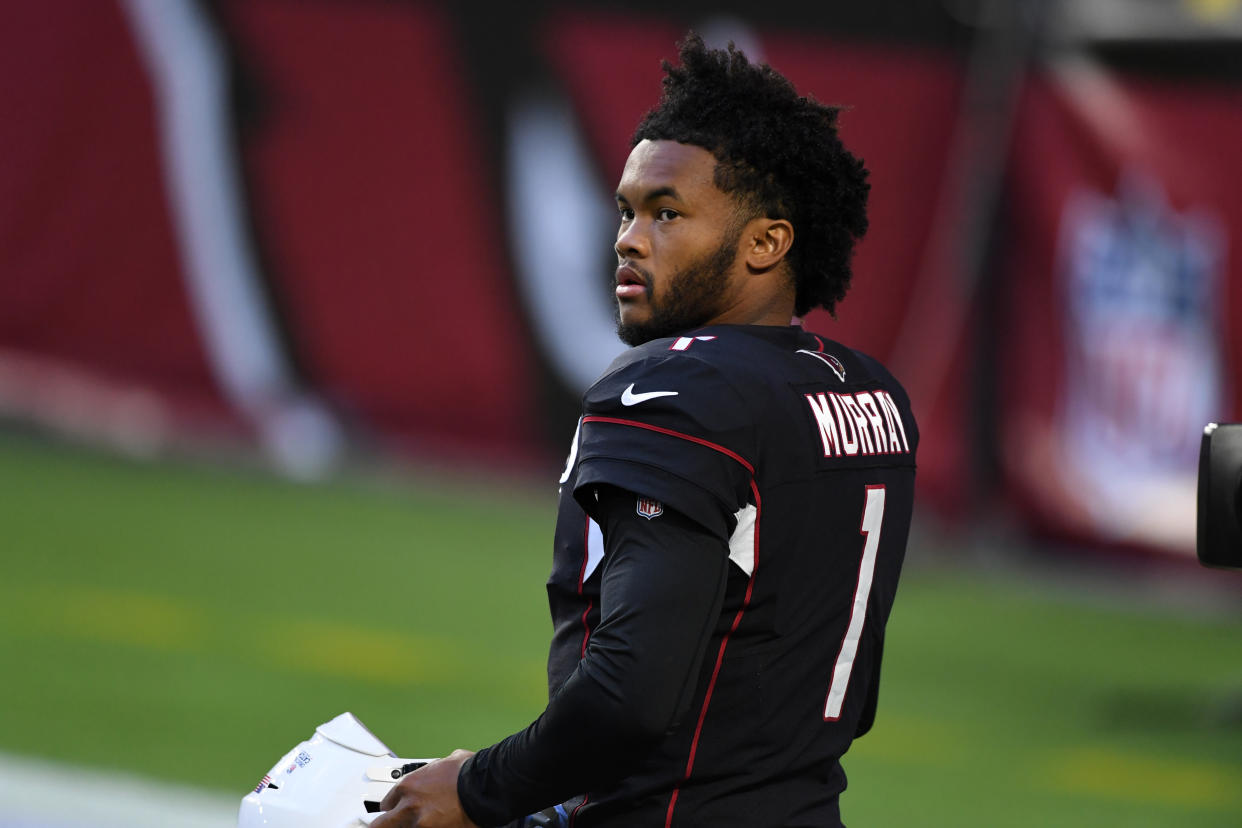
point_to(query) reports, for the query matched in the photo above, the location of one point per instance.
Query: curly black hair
(777, 152)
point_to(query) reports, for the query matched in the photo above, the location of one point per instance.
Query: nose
(632, 241)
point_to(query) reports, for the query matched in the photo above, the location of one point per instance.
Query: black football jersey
(800, 453)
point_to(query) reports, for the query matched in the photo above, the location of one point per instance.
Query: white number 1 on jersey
(872, 518)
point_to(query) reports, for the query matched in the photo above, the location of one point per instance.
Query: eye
(625, 212)
(666, 214)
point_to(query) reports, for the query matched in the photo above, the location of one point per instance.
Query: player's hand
(427, 798)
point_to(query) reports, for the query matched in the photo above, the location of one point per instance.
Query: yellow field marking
(316, 646)
(140, 619)
(1137, 777)
(349, 651)
(1213, 11)
(911, 740)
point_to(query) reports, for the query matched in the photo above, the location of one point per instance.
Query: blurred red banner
(1120, 269)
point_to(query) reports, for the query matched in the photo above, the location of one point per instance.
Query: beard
(695, 295)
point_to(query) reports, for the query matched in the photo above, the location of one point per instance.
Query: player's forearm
(559, 756)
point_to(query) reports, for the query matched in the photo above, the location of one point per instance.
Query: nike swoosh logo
(628, 397)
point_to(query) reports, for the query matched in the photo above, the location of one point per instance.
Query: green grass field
(194, 623)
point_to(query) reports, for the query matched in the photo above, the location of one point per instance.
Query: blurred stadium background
(297, 298)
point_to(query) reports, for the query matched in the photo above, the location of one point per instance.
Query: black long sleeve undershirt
(662, 589)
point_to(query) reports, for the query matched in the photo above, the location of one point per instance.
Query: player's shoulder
(697, 382)
(719, 359)
(740, 356)
(729, 366)
(859, 368)
(861, 377)
(850, 367)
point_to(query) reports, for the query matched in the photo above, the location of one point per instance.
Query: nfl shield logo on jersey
(649, 508)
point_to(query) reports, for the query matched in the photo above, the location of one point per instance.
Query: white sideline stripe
(36, 793)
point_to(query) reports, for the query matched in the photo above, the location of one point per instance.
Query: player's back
(800, 452)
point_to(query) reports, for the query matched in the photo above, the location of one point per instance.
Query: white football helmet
(336, 779)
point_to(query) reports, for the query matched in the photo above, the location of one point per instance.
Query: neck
(767, 299)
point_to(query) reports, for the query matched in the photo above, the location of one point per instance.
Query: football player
(735, 507)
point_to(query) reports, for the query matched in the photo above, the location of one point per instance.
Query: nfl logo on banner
(649, 508)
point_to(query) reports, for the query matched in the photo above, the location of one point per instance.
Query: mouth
(631, 282)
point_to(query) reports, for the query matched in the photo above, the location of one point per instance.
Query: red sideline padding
(384, 238)
(89, 271)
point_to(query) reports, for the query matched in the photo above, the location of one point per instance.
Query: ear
(767, 241)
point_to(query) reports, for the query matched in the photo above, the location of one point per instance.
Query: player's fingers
(396, 817)
(392, 799)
